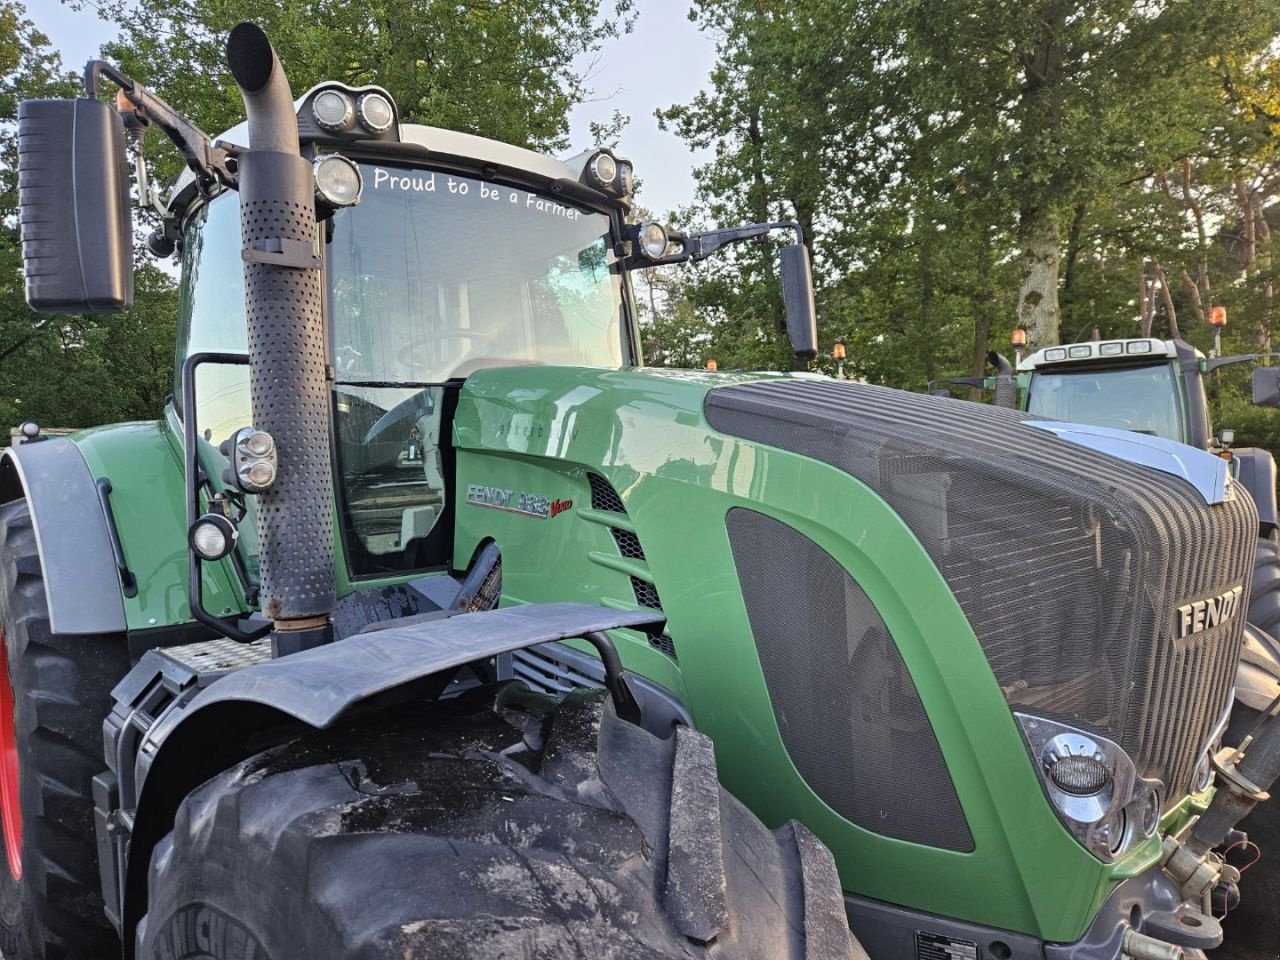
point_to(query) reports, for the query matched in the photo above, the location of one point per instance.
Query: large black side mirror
(797, 299)
(73, 207)
(1266, 386)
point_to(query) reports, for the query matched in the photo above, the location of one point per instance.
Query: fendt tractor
(409, 629)
(1158, 388)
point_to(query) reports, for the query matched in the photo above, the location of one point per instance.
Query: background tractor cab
(1155, 387)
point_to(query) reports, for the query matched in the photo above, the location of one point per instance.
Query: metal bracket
(283, 252)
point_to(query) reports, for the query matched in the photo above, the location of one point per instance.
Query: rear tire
(497, 824)
(61, 692)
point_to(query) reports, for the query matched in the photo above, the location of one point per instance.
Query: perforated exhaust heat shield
(287, 357)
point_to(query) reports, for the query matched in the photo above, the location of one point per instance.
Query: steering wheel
(1121, 418)
(424, 339)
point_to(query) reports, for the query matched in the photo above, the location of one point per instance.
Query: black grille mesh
(628, 544)
(603, 496)
(847, 708)
(1069, 564)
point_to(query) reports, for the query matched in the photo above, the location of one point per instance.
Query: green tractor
(1157, 388)
(410, 627)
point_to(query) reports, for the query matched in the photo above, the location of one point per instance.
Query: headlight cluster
(1093, 787)
(252, 453)
(608, 173)
(355, 113)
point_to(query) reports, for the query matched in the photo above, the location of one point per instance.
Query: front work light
(375, 113)
(651, 240)
(333, 110)
(213, 536)
(602, 169)
(338, 180)
(252, 453)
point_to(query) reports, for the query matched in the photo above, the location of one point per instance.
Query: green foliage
(503, 70)
(921, 142)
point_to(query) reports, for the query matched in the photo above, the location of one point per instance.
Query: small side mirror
(1266, 386)
(73, 207)
(1226, 438)
(797, 299)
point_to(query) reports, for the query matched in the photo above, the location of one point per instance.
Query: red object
(10, 806)
(1218, 316)
(712, 365)
(837, 352)
(1019, 337)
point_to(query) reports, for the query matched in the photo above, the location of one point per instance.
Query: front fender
(81, 579)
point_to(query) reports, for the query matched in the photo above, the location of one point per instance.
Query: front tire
(497, 824)
(55, 692)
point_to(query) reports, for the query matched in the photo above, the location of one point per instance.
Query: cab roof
(1136, 350)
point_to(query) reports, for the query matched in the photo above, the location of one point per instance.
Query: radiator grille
(1068, 564)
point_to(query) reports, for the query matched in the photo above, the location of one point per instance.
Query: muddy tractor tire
(497, 824)
(54, 693)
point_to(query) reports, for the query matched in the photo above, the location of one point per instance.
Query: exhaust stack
(287, 355)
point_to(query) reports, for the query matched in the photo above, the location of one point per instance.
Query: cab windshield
(1143, 399)
(431, 277)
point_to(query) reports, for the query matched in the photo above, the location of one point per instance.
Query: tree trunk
(1038, 309)
(984, 301)
(1167, 296)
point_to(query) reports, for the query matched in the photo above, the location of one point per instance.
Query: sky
(663, 61)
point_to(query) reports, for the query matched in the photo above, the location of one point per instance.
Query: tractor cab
(1146, 385)
(441, 254)
(1155, 387)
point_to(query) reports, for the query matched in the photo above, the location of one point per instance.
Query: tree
(504, 70)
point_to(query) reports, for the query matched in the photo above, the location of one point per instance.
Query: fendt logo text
(1204, 614)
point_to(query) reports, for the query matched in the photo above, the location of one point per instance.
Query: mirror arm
(1217, 362)
(695, 247)
(206, 160)
(705, 244)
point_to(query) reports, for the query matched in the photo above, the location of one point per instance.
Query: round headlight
(653, 240)
(333, 110)
(1109, 833)
(258, 443)
(603, 169)
(1080, 776)
(338, 180)
(375, 112)
(626, 179)
(1149, 813)
(213, 536)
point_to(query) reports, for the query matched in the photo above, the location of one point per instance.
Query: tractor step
(211, 659)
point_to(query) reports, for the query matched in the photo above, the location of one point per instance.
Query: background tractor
(409, 628)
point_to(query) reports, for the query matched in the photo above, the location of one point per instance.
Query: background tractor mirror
(73, 207)
(1266, 386)
(797, 299)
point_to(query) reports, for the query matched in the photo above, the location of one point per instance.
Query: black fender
(207, 728)
(76, 539)
(1256, 472)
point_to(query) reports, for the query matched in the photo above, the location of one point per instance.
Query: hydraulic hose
(1240, 789)
(287, 356)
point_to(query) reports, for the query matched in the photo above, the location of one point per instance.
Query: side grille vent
(603, 496)
(606, 500)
